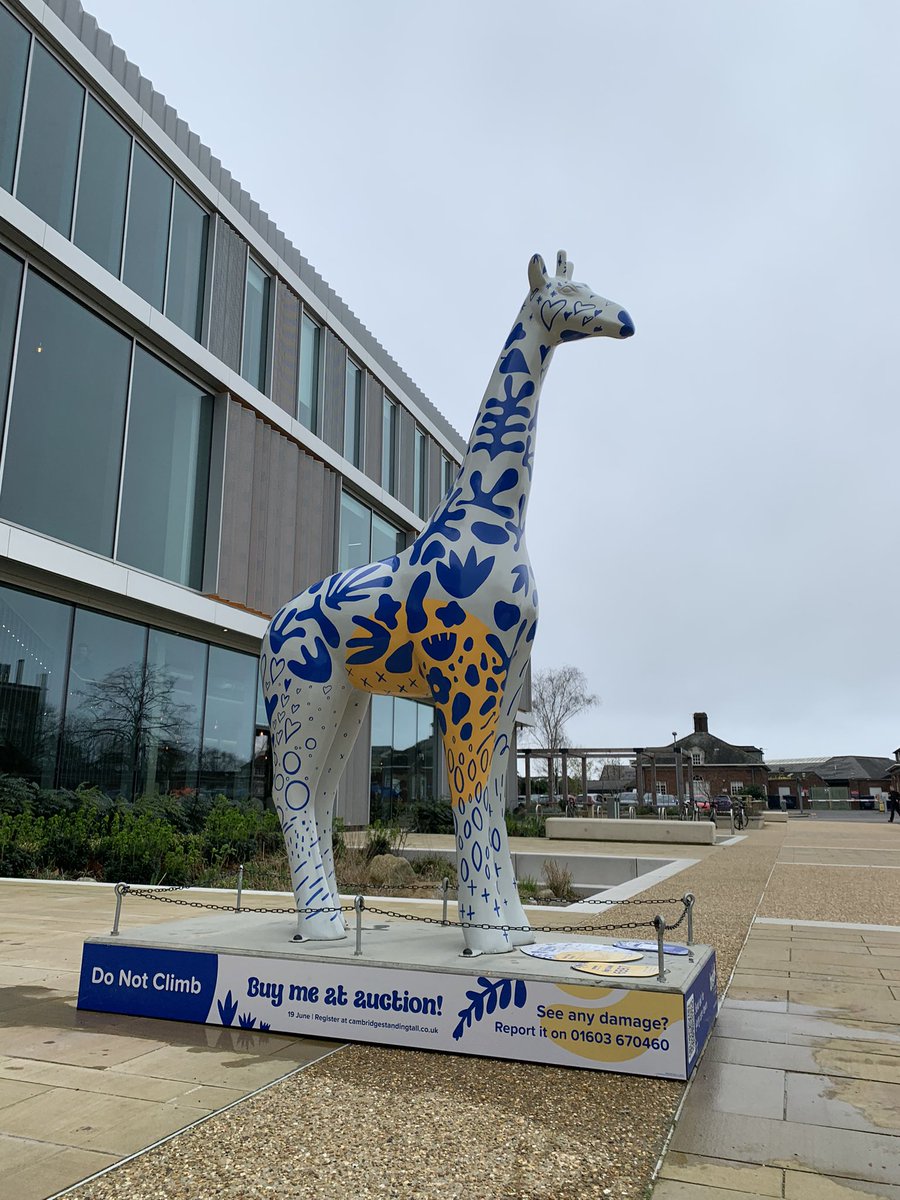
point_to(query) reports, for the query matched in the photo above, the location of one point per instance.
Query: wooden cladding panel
(227, 302)
(286, 354)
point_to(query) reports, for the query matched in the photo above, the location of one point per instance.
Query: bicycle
(740, 816)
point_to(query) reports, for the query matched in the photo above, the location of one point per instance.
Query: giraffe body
(451, 620)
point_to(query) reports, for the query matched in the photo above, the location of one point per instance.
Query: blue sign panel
(176, 984)
(700, 1007)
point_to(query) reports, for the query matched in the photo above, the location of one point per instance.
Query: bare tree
(557, 695)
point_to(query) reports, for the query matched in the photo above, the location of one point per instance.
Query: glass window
(381, 794)
(448, 473)
(64, 448)
(256, 325)
(387, 539)
(356, 533)
(147, 238)
(166, 479)
(34, 638)
(352, 413)
(170, 741)
(14, 39)
(187, 264)
(388, 445)
(308, 390)
(108, 692)
(10, 280)
(46, 182)
(228, 726)
(102, 186)
(420, 473)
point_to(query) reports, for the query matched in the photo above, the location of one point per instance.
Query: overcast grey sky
(714, 516)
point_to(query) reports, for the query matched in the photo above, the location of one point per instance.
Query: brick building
(719, 767)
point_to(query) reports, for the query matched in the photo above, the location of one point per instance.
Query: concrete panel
(227, 299)
(284, 538)
(608, 829)
(256, 551)
(286, 351)
(332, 418)
(236, 504)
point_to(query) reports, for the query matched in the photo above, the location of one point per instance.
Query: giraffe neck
(499, 460)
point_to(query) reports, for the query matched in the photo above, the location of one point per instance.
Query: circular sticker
(617, 970)
(651, 947)
(581, 952)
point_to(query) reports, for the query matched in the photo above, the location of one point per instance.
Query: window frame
(307, 315)
(389, 451)
(261, 385)
(420, 472)
(355, 459)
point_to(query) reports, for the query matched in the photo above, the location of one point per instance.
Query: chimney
(701, 723)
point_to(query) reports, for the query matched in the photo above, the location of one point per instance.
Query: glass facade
(420, 473)
(308, 387)
(388, 445)
(166, 478)
(448, 473)
(102, 188)
(256, 326)
(49, 154)
(87, 698)
(365, 536)
(353, 413)
(404, 759)
(66, 421)
(147, 239)
(14, 42)
(187, 264)
(165, 243)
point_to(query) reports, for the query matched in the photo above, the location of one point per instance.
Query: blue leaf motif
(227, 1009)
(246, 1021)
(462, 579)
(494, 994)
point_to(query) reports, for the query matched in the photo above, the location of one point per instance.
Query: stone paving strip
(798, 1094)
(380, 1122)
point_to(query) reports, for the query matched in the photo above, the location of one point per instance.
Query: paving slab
(40, 1169)
(719, 1173)
(845, 1103)
(801, 1185)
(734, 1088)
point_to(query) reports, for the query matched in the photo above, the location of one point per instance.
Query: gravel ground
(370, 1122)
(834, 894)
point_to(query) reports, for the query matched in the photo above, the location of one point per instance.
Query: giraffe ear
(537, 273)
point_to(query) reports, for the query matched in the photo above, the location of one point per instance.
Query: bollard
(445, 889)
(688, 900)
(121, 889)
(358, 904)
(240, 887)
(660, 926)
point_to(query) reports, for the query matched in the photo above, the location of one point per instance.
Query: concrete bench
(773, 814)
(610, 829)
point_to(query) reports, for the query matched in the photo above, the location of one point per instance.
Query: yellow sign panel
(625, 1026)
(618, 970)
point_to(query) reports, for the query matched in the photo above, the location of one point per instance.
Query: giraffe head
(569, 310)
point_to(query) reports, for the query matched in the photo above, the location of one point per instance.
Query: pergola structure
(644, 762)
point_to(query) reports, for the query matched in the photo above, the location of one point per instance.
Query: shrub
(528, 889)
(384, 839)
(558, 879)
(433, 816)
(525, 825)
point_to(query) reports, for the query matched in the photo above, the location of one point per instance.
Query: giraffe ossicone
(451, 620)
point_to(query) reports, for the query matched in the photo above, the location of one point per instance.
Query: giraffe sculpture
(451, 619)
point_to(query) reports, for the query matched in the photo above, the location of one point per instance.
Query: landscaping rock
(389, 870)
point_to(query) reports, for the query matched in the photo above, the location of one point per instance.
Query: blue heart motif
(276, 667)
(550, 310)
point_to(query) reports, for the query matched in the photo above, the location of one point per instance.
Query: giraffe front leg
(480, 903)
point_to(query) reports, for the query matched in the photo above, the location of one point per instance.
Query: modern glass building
(194, 427)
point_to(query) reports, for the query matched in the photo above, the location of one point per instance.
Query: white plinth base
(410, 987)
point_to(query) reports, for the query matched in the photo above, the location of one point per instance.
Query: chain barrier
(161, 895)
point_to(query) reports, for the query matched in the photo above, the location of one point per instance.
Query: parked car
(723, 804)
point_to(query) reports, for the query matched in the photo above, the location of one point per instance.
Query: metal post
(584, 795)
(660, 925)
(240, 887)
(688, 900)
(638, 778)
(121, 889)
(679, 779)
(551, 759)
(528, 778)
(564, 799)
(654, 786)
(731, 817)
(358, 904)
(445, 888)
(690, 785)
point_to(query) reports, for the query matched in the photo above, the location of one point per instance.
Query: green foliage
(526, 825)
(432, 816)
(559, 879)
(384, 839)
(528, 889)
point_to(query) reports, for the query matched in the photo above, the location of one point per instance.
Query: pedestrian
(893, 803)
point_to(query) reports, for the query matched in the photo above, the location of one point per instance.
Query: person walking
(893, 804)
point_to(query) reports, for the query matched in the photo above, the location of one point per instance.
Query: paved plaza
(797, 1095)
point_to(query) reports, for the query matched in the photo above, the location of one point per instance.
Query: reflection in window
(420, 473)
(256, 326)
(102, 184)
(14, 39)
(228, 726)
(108, 692)
(388, 445)
(10, 280)
(170, 745)
(34, 635)
(187, 264)
(403, 760)
(448, 474)
(46, 182)
(356, 533)
(308, 390)
(353, 413)
(166, 473)
(387, 539)
(147, 239)
(66, 421)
